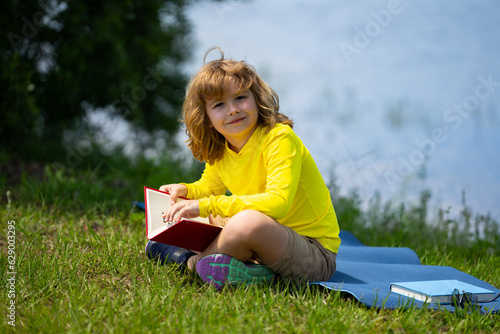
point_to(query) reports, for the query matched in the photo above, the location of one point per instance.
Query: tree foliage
(60, 58)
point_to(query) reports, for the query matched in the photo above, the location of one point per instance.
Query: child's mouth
(237, 120)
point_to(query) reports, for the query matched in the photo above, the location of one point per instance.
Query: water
(379, 89)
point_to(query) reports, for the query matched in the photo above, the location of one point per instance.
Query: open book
(439, 291)
(194, 233)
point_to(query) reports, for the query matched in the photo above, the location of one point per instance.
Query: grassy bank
(80, 263)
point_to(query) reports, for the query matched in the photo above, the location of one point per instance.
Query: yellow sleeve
(283, 160)
(209, 184)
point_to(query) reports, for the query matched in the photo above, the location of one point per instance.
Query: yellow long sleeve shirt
(274, 174)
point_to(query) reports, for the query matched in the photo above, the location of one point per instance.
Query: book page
(157, 203)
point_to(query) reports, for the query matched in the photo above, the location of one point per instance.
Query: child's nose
(233, 109)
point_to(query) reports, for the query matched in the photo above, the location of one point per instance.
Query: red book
(194, 233)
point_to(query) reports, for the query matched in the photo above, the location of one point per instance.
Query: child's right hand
(175, 191)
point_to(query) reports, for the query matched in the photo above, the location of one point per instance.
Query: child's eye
(220, 104)
(241, 97)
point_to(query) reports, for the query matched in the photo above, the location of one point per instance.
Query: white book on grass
(439, 291)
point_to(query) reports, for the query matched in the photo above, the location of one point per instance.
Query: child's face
(234, 115)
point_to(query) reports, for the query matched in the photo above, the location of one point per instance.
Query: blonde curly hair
(208, 83)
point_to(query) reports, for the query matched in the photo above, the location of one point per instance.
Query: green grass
(81, 266)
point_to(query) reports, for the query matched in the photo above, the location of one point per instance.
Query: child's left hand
(183, 209)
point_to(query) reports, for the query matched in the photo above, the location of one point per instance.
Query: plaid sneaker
(221, 269)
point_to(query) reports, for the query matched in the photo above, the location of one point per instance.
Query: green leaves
(57, 55)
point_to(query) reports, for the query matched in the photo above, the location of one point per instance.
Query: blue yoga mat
(367, 273)
(139, 205)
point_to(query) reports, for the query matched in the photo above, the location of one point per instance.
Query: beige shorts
(305, 260)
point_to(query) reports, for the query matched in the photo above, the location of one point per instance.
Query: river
(391, 96)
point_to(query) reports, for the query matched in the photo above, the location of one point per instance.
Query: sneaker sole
(219, 270)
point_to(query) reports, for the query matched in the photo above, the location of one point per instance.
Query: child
(280, 212)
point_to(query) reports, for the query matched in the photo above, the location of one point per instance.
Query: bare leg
(249, 234)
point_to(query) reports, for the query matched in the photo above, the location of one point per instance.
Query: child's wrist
(186, 191)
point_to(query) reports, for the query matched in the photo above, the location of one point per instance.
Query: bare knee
(252, 234)
(249, 224)
(265, 237)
